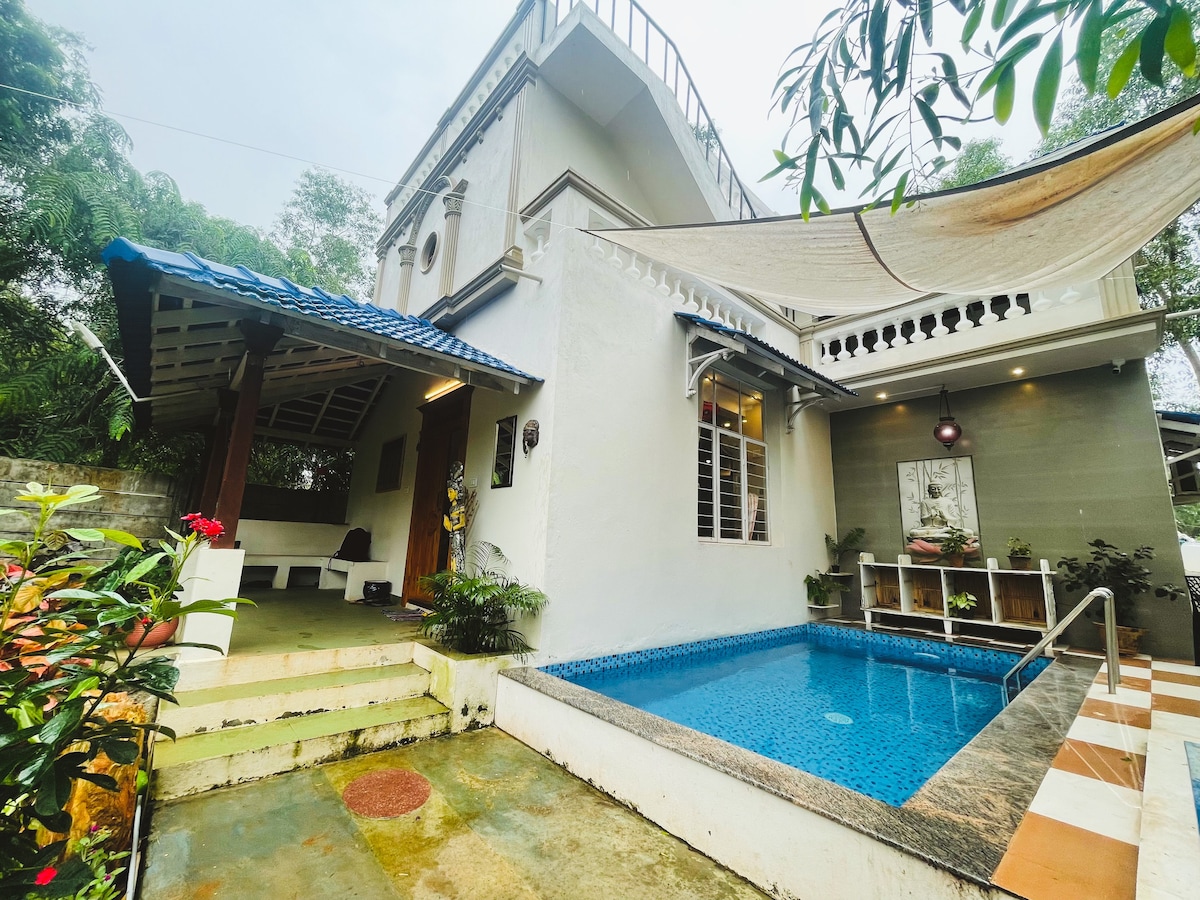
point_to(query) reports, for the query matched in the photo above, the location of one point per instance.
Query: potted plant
(1020, 554)
(962, 605)
(1126, 576)
(821, 589)
(954, 545)
(851, 542)
(152, 580)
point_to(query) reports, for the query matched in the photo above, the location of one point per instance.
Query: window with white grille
(731, 462)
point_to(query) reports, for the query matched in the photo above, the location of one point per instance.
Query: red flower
(147, 622)
(208, 528)
(45, 876)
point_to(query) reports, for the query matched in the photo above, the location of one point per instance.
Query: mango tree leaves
(875, 69)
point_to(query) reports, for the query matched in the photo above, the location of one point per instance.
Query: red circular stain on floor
(386, 793)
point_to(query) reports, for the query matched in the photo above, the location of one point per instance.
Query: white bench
(284, 563)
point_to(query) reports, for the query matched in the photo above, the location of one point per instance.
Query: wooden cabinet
(1007, 598)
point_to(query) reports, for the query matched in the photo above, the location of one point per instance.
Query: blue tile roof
(767, 350)
(313, 302)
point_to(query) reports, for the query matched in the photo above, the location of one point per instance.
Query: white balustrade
(948, 318)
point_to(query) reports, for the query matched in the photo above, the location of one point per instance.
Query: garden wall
(129, 501)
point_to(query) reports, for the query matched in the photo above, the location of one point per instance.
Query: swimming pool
(877, 713)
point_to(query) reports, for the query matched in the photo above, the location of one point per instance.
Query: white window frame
(716, 433)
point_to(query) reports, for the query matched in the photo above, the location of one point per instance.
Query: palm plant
(474, 610)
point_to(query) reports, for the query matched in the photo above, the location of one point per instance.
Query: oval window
(429, 252)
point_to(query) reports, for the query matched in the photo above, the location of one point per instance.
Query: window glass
(731, 498)
(391, 466)
(506, 448)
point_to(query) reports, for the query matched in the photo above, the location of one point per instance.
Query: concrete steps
(245, 718)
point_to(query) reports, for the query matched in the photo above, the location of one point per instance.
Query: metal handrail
(1110, 640)
(623, 27)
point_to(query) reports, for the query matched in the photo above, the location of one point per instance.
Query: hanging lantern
(947, 431)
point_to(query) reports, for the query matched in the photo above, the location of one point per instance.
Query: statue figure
(935, 510)
(456, 520)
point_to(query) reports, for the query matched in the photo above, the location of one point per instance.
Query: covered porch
(238, 355)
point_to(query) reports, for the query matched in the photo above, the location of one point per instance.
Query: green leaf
(1123, 68)
(1045, 88)
(898, 193)
(971, 25)
(121, 752)
(1154, 38)
(1000, 14)
(810, 172)
(1006, 92)
(63, 723)
(121, 537)
(835, 173)
(925, 13)
(1180, 43)
(1196, 127)
(142, 568)
(931, 120)
(1087, 52)
(89, 535)
(1027, 17)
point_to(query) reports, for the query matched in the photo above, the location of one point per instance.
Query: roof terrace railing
(631, 24)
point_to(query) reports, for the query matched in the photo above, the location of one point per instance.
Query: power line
(280, 154)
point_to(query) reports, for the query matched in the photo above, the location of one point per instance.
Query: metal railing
(630, 23)
(1110, 640)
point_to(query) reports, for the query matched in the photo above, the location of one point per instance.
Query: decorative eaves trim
(572, 179)
(524, 71)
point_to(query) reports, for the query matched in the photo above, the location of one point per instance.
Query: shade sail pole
(218, 444)
(260, 340)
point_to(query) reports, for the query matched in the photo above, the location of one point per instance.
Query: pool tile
(1177, 689)
(1050, 860)
(1109, 733)
(1119, 767)
(1179, 705)
(1162, 676)
(1121, 713)
(1124, 696)
(1096, 806)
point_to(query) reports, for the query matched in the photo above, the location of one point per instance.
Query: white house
(694, 443)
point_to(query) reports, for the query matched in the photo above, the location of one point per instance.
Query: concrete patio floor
(501, 823)
(297, 619)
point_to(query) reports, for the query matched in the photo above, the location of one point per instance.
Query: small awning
(1063, 220)
(182, 319)
(710, 342)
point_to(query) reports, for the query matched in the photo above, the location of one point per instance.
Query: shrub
(473, 610)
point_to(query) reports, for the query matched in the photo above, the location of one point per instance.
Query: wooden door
(443, 441)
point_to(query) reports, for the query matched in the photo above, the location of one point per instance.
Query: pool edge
(960, 821)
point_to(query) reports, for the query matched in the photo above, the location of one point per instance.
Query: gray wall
(129, 501)
(1058, 461)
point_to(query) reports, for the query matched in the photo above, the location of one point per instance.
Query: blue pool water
(876, 713)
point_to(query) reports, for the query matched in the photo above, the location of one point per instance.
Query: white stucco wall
(624, 567)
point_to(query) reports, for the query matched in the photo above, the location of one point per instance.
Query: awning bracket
(697, 364)
(798, 406)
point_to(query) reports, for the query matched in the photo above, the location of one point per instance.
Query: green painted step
(216, 744)
(336, 678)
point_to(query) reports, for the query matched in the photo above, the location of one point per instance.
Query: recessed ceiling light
(1018, 371)
(882, 395)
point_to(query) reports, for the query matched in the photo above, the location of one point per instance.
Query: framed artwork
(937, 498)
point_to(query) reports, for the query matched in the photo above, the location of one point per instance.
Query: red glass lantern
(947, 431)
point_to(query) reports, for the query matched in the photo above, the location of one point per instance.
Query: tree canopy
(886, 87)
(67, 188)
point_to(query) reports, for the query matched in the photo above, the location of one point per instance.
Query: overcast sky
(360, 84)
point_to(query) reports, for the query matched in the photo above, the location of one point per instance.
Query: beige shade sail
(1065, 219)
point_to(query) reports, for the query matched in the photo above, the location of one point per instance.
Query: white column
(408, 256)
(209, 575)
(454, 205)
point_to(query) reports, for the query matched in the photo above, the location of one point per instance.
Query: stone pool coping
(961, 820)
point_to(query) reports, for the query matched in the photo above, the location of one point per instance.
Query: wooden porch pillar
(260, 340)
(218, 442)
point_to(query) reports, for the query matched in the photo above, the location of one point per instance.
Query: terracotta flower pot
(1020, 563)
(156, 634)
(955, 559)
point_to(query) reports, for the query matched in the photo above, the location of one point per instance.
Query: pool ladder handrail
(1110, 640)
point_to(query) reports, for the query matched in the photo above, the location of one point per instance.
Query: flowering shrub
(63, 623)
